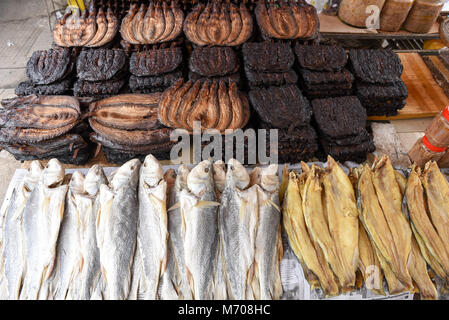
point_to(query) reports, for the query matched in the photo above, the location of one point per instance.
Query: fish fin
(156, 201)
(175, 206)
(206, 204)
(190, 281)
(269, 202)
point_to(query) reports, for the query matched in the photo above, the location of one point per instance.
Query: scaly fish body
(42, 220)
(67, 254)
(117, 229)
(89, 274)
(343, 220)
(268, 239)
(152, 231)
(13, 249)
(199, 213)
(238, 229)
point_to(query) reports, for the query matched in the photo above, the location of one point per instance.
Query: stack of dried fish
(287, 19)
(336, 233)
(218, 24)
(215, 104)
(322, 71)
(341, 123)
(268, 68)
(155, 70)
(43, 127)
(379, 85)
(85, 29)
(101, 72)
(127, 126)
(155, 23)
(197, 234)
(49, 72)
(214, 63)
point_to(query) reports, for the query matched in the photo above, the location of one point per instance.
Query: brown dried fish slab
(47, 66)
(44, 112)
(213, 61)
(268, 56)
(321, 57)
(142, 149)
(134, 137)
(58, 88)
(127, 112)
(153, 82)
(97, 88)
(78, 28)
(282, 107)
(155, 62)
(100, 64)
(259, 79)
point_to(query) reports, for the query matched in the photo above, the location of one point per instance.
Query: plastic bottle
(354, 12)
(438, 130)
(423, 151)
(394, 13)
(423, 15)
(444, 161)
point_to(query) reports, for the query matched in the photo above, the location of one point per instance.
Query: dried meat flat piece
(213, 61)
(48, 66)
(375, 65)
(321, 57)
(339, 117)
(97, 88)
(58, 88)
(100, 64)
(155, 62)
(268, 56)
(282, 107)
(259, 79)
(234, 77)
(153, 82)
(311, 78)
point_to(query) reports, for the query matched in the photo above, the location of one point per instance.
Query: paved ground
(25, 26)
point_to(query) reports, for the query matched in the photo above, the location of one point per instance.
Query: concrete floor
(25, 26)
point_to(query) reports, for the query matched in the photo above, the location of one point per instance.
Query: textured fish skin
(117, 229)
(390, 199)
(152, 231)
(200, 230)
(42, 219)
(343, 220)
(13, 246)
(421, 221)
(238, 229)
(89, 275)
(176, 242)
(268, 239)
(67, 250)
(300, 240)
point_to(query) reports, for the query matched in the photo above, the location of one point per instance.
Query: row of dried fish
(337, 233)
(143, 234)
(155, 23)
(40, 127)
(88, 28)
(215, 103)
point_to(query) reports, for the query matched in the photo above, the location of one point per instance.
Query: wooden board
(426, 98)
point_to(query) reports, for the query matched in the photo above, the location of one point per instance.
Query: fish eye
(232, 167)
(132, 167)
(206, 170)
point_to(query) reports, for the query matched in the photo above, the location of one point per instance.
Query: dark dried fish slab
(127, 112)
(375, 66)
(48, 66)
(268, 56)
(155, 62)
(117, 157)
(321, 57)
(213, 61)
(321, 92)
(100, 64)
(370, 92)
(98, 88)
(339, 117)
(124, 148)
(234, 77)
(259, 79)
(313, 78)
(58, 88)
(282, 107)
(145, 83)
(356, 153)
